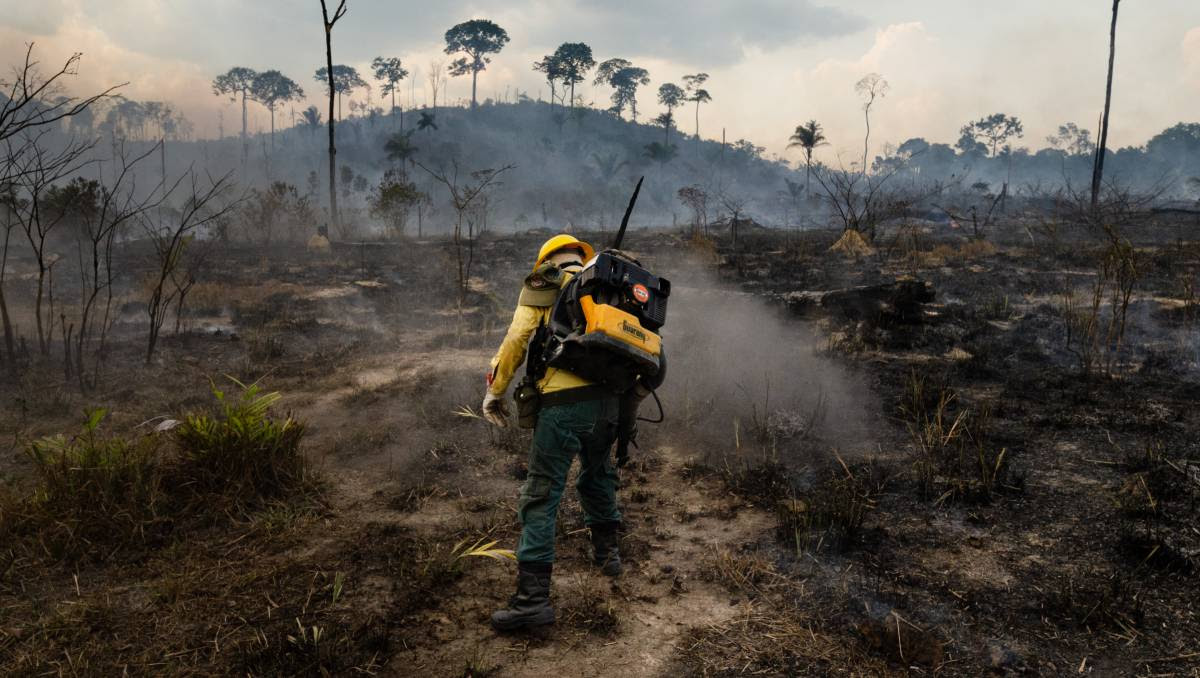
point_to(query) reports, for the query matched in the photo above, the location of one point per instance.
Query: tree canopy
(477, 39)
(235, 81)
(345, 78)
(270, 88)
(624, 78)
(671, 95)
(389, 71)
(994, 130)
(574, 60)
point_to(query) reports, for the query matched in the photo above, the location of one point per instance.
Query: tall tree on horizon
(551, 67)
(1098, 169)
(697, 93)
(345, 80)
(871, 87)
(476, 38)
(624, 78)
(807, 137)
(329, 22)
(671, 96)
(574, 61)
(231, 83)
(272, 88)
(995, 130)
(390, 72)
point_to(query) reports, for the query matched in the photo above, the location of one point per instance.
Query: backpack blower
(604, 325)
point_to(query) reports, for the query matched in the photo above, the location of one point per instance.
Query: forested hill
(568, 167)
(575, 168)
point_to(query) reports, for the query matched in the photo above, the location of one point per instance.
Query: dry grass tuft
(776, 643)
(748, 573)
(832, 512)
(953, 459)
(588, 605)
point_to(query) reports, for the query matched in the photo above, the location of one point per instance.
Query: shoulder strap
(541, 287)
(535, 359)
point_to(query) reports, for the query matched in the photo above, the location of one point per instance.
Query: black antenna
(628, 210)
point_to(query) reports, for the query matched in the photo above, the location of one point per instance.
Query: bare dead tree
(1118, 205)
(31, 105)
(979, 225)
(184, 277)
(734, 204)
(32, 100)
(329, 22)
(119, 206)
(1098, 170)
(437, 78)
(463, 196)
(38, 170)
(695, 198)
(171, 244)
(871, 87)
(859, 200)
(7, 198)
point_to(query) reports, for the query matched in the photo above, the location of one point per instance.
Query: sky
(773, 64)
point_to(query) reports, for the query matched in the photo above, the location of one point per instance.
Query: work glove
(495, 410)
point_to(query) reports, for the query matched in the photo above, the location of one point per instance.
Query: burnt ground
(959, 497)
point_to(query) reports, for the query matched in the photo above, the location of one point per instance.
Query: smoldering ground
(748, 385)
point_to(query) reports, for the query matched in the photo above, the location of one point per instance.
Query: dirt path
(676, 526)
(629, 626)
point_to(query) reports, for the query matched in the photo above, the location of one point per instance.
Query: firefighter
(575, 418)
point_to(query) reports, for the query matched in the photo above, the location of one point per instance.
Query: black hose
(661, 415)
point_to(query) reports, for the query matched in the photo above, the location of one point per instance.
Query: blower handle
(628, 210)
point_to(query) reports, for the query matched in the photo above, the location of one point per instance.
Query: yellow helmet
(563, 241)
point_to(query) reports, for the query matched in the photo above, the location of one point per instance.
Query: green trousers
(586, 429)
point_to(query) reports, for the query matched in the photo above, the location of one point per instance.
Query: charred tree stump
(898, 302)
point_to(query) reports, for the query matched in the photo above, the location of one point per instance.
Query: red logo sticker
(641, 293)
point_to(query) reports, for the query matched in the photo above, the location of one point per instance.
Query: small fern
(243, 451)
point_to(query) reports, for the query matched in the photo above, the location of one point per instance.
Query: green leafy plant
(94, 485)
(243, 452)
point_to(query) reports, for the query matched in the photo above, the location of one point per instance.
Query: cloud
(36, 18)
(911, 60)
(706, 34)
(774, 63)
(1191, 55)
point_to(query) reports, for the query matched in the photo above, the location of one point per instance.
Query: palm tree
(399, 147)
(427, 121)
(808, 137)
(311, 118)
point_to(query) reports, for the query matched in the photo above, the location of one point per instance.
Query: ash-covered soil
(859, 474)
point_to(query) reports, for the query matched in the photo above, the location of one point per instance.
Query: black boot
(530, 605)
(606, 543)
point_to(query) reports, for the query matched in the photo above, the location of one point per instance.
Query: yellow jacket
(512, 354)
